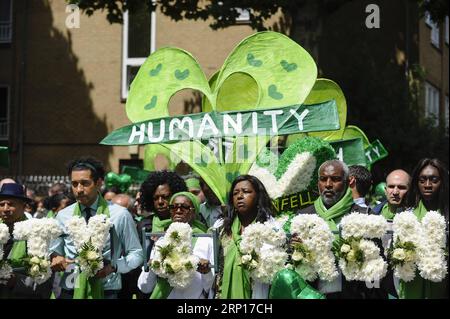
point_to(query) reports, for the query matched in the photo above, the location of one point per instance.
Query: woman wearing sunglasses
(184, 208)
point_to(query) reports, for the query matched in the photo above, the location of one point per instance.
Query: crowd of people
(165, 197)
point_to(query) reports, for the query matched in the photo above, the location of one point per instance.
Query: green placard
(350, 151)
(375, 152)
(4, 157)
(266, 122)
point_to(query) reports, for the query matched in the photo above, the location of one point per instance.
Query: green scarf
(160, 226)
(92, 287)
(420, 288)
(334, 214)
(236, 280)
(387, 212)
(162, 288)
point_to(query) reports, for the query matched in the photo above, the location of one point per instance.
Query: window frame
(429, 110)
(8, 109)
(8, 24)
(133, 62)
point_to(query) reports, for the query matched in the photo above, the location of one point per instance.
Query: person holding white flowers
(248, 202)
(12, 211)
(184, 208)
(336, 201)
(86, 178)
(429, 192)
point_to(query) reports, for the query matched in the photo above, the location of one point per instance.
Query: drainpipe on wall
(22, 86)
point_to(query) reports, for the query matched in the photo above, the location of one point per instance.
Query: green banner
(268, 122)
(293, 202)
(350, 151)
(375, 152)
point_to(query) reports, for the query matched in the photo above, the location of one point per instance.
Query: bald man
(397, 186)
(124, 200)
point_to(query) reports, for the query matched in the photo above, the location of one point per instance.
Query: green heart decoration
(250, 78)
(123, 181)
(287, 284)
(297, 167)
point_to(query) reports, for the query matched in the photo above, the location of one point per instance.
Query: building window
(5, 21)
(138, 42)
(4, 110)
(446, 30)
(432, 103)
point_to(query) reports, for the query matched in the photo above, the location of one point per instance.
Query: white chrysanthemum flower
(4, 234)
(317, 237)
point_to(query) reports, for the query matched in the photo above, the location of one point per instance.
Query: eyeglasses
(433, 179)
(183, 207)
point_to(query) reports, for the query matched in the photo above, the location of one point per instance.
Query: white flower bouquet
(5, 268)
(313, 256)
(38, 234)
(431, 263)
(173, 258)
(359, 257)
(89, 240)
(262, 251)
(403, 255)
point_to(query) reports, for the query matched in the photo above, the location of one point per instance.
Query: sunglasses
(182, 207)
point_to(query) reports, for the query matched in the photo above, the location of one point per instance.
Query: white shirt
(203, 248)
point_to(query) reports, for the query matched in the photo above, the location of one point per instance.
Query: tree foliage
(223, 13)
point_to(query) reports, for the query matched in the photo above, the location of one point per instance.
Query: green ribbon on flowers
(51, 214)
(236, 279)
(162, 288)
(387, 212)
(92, 287)
(334, 214)
(420, 288)
(288, 284)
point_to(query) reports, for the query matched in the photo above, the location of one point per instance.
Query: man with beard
(336, 201)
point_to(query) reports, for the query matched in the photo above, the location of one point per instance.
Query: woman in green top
(429, 191)
(248, 202)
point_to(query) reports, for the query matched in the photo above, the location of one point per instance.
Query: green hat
(192, 182)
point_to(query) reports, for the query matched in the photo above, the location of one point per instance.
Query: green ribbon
(92, 287)
(387, 212)
(420, 288)
(162, 288)
(288, 284)
(334, 214)
(236, 279)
